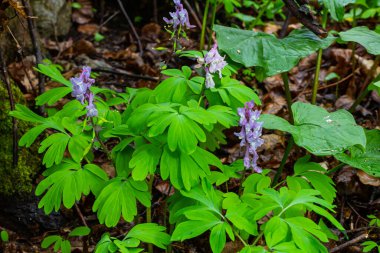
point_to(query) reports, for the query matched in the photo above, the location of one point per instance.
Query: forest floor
(105, 42)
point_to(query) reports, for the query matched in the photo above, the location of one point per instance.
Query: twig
(125, 73)
(285, 25)
(329, 85)
(306, 18)
(80, 215)
(349, 243)
(12, 107)
(193, 14)
(36, 45)
(131, 25)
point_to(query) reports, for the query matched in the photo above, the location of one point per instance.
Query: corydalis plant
(212, 63)
(81, 90)
(250, 134)
(180, 18)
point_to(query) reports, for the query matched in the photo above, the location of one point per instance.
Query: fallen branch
(349, 243)
(125, 73)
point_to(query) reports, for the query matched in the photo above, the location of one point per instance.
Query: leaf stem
(258, 237)
(241, 239)
(204, 25)
(261, 13)
(319, 62)
(214, 7)
(104, 147)
(339, 166)
(283, 161)
(149, 209)
(288, 96)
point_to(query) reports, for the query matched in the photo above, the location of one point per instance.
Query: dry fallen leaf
(367, 179)
(84, 14)
(24, 74)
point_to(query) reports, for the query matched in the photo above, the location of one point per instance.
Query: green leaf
(190, 229)
(56, 147)
(150, 233)
(318, 131)
(24, 113)
(119, 198)
(49, 240)
(314, 173)
(375, 86)
(50, 97)
(68, 181)
(267, 53)
(4, 236)
(365, 37)
(218, 237)
(65, 246)
(52, 71)
(367, 160)
(80, 231)
(77, 146)
(369, 245)
(144, 161)
(336, 8)
(31, 135)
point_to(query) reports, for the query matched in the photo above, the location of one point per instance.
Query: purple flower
(180, 17)
(250, 134)
(91, 109)
(81, 90)
(213, 63)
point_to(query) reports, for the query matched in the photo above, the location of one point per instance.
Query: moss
(19, 179)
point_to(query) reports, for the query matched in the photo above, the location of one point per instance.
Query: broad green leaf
(275, 231)
(190, 229)
(336, 8)
(118, 199)
(50, 97)
(369, 245)
(150, 233)
(375, 86)
(77, 146)
(367, 160)
(80, 231)
(365, 37)
(31, 135)
(4, 236)
(144, 161)
(105, 245)
(24, 113)
(56, 146)
(49, 240)
(65, 246)
(314, 173)
(218, 238)
(53, 72)
(66, 183)
(267, 53)
(318, 131)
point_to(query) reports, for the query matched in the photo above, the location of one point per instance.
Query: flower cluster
(180, 17)
(250, 134)
(81, 91)
(213, 62)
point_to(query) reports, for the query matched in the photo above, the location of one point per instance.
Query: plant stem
(261, 12)
(365, 91)
(214, 7)
(283, 161)
(288, 96)
(204, 25)
(258, 238)
(319, 62)
(339, 166)
(149, 209)
(104, 147)
(241, 239)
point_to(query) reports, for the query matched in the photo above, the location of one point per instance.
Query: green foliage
(67, 182)
(61, 243)
(370, 40)
(267, 53)
(368, 159)
(148, 233)
(318, 131)
(4, 236)
(370, 245)
(118, 198)
(336, 7)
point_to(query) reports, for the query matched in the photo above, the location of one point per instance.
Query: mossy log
(15, 179)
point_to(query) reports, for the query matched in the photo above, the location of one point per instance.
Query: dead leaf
(24, 74)
(344, 102)
(85, 14)
(89, 29)
(367, 179)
